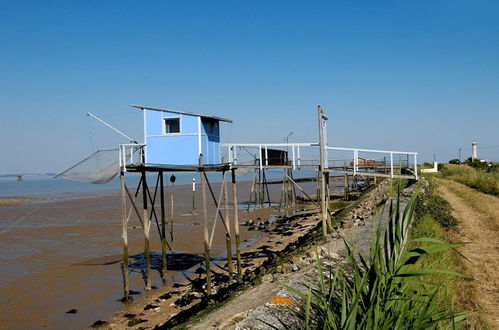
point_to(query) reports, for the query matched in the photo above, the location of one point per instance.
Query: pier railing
(356, 161)
(373, 162)
(295, 155)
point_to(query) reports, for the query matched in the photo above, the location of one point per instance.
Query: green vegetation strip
(484, 180)
(387, 290)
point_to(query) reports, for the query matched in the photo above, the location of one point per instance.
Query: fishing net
(100, 167)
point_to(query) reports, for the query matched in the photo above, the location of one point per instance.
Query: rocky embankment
(269, 304)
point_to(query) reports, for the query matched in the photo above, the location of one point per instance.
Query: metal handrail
(295, 150)
(130, 149)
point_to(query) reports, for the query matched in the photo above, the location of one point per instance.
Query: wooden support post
(193, 195)
(286, 190)
(236, 225)
(227, 228)
(324, 207)
(260, 191)
(126, 289)
(252, 191)
(266, 188)
(318, 190)
(205, 227)
(147, 226)
(328, 200)
(293, 189)
(282, 190)
(171, 226)
(345, 187)
(163, 226)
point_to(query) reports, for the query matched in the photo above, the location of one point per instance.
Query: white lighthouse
(474, 151)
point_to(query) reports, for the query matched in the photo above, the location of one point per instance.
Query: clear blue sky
(410, 75)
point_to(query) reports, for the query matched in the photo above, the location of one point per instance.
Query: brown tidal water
(65, 254)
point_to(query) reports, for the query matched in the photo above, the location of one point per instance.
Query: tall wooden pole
(163, 226)
(205, 225)
(147, 226)
(126, 290)
(236, 225)
(227, 225)
(325, 227)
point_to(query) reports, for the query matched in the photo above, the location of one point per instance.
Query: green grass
(486, 182)
(447, 295)
(386, 291)
(398, 185)
(336, 205)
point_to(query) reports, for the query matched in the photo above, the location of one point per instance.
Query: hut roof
(141, 107)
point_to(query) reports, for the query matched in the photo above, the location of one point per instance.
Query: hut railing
(131, 154)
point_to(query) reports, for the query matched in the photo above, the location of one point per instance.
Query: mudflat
(64, 255)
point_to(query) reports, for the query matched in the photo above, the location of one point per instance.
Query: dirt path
(478, 214)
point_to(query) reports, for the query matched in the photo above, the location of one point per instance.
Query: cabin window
(171, 125)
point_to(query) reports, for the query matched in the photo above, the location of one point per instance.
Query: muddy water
(65, 254)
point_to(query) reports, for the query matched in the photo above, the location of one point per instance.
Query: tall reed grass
(384, 291)
(486, 182)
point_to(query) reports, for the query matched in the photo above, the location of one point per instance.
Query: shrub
(437, 207)
(455, 161)
(476, 163)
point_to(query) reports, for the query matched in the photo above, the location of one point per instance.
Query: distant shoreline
(26, 174)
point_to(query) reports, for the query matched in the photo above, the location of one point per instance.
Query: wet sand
(65, 254)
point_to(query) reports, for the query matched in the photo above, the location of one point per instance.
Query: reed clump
(479, 179)
(385, 291)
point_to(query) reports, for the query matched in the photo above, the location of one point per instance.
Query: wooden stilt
(266, 188)
(287, 196)
(318, 190)
(236, 225)
(227, 228)
(171, 225)
(292, 188)
(205, 228)
(328, 201)
(163, 226)
(193, 195)
(126, 289)
(345, 186)
(147, 226)
(252, 192)
(283, 190)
